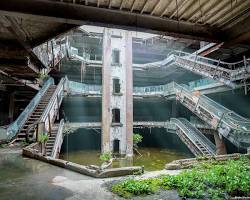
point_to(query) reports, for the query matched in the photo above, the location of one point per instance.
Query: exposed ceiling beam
(110, 3)
(53, 34)
(79, 15)
(15, 29)
(238, 34)
(144, 6)
(155, 7)
(133, 6)
(191, 4)
(179, 7)
(166, 9)
(22, 81)
(122, 4)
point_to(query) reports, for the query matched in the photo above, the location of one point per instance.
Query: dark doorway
(116, 57)
(116, 115)
(116, 146)
(116, 86)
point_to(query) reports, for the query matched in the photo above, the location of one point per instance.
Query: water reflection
(152, 158)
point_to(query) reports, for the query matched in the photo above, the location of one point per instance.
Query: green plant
(67, 129)
(216, 179)
(137, 138)
(105, 157)
(24, 143)
(42, 138)
(42, 75)
(3, 145)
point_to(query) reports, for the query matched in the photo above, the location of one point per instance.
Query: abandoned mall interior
(114, 99)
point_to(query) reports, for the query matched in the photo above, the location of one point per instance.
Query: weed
(214, 179)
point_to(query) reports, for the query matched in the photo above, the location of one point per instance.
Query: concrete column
(117, 44)
(220, 145)
(106, 113)
(129, 93)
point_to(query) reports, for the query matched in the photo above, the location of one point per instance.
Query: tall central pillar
(117, 92)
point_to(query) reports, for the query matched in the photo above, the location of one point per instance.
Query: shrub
(42, 138)
(105, 157)
(137, 138)
(214, 179)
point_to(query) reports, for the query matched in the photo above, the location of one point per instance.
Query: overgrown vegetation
(216, 180)
(105, 157)
(42, 138)
(3, 145)
(137, 138)
(42, 76)
(67, 129)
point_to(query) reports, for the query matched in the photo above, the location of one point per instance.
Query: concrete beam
(239, 33)
(22, 81)
(52, 11)
(57, 33)
(20, 34)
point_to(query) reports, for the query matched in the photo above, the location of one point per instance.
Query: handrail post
(57, 99)
(49, 124)
(37, 132)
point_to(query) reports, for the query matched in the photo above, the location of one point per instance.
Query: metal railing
(50, 53)
(58, 140)
(224, 72)
(14, 127)
(198, 143)
(213, 113)
(52, 108)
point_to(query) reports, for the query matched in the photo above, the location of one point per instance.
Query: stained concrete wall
(120, 41)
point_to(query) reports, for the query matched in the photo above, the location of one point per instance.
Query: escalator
(198, 144)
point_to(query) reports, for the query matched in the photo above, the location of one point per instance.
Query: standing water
(157, 148)
(151, 158)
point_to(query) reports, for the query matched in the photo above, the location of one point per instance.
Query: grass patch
(216, 180)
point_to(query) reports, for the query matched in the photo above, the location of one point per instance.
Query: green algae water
(152, 158)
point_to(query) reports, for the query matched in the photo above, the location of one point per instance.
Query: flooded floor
(28, 179)
(151, 158)
(23, 179)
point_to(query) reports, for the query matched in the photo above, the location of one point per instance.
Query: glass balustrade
(19, 122)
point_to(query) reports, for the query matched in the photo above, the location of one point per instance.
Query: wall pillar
(220, 145)
(106, 114)
(117, 92)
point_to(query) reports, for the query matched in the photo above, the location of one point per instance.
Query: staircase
(36, 114)
(51, 141)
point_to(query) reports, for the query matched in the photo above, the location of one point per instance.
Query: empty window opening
(116, 146)
(116, 57)
(116, 86)
(116, 115)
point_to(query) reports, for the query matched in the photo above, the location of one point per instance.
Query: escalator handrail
(13, 129)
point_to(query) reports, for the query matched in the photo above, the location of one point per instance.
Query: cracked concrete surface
(23, 179)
